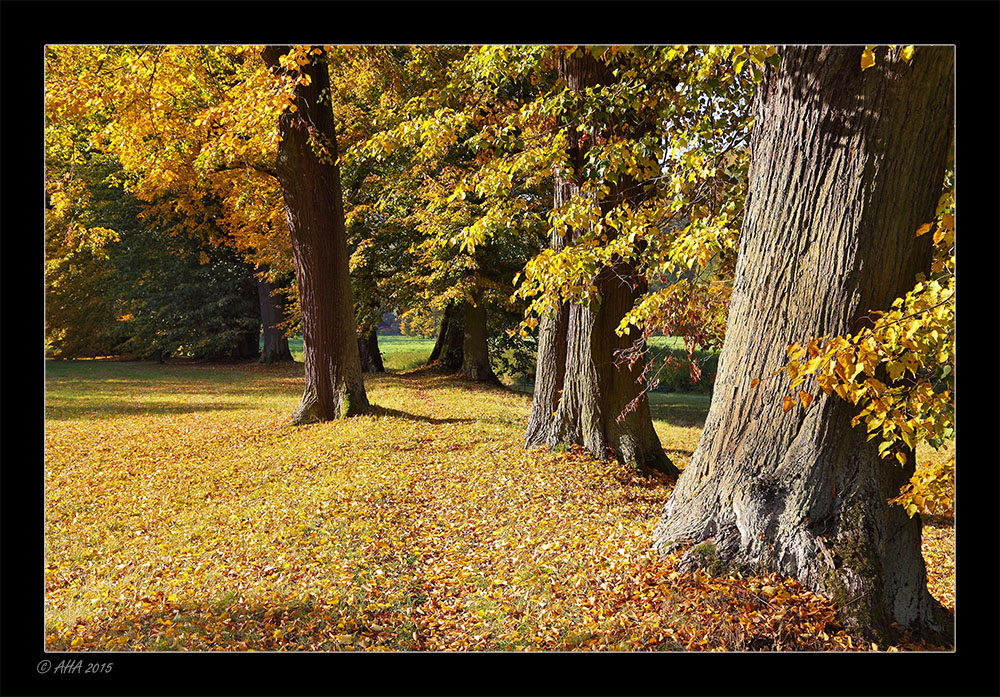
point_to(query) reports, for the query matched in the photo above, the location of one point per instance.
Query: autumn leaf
(867, 58)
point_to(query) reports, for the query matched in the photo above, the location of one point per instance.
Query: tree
(581, 394)
(448, 347)
(183, 298)
(310, 183)
(272, 314)
(847, 165)
(196, 161)
(435, 140)
(119, 284)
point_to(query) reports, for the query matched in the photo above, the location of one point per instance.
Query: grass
(182, 513)
(398, 352)
(404, 352)
(409, 352)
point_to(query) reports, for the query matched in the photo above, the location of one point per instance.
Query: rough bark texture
(310, 184)
(580, 392)
(846, 166)
(475, 351)
(272, 314)
(369, 353)
(448, 348)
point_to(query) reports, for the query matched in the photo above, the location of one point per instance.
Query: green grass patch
(398, 352)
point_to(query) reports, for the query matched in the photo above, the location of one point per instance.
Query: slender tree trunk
(550, 372)
(310, 183)
(272, 314)
(368, 351)
(581, 393)
(448, 347)
(846, 166)
(475, 351)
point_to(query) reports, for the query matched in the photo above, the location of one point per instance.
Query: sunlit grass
(183, 513)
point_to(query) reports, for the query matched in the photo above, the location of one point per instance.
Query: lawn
(181, 513)
(398, 352)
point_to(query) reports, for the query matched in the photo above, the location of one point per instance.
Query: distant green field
(398, 352)
(408, 352)
(404, 352)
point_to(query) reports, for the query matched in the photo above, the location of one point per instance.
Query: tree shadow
(377, 410)
(66, 410)
(679, 412)
(234, 626)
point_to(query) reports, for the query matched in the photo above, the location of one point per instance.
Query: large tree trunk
(846, 166)
(310, 184)
(369, 353)
(581, 394)
(272, 313)
(475, 351)
(448, 347)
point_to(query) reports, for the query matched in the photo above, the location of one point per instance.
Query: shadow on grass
(229, 626)
(57, 409)
(680, 409)
(377, 410)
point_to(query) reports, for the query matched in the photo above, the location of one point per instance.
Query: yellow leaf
(907, 54)
(754, 382)
(826, 383)
(895, 369)
(867, 59)
(806, 398)
(923, 229)
(787, 404)
(901, 457)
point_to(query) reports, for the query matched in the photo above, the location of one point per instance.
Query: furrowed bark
(580, 393)
(846, 166)
(310, 184)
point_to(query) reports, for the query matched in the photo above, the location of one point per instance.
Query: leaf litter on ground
(183, 514)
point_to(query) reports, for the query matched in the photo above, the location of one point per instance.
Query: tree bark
(369, 353)
(272, 313)
(846, 166)
(475, 351)
(580, 392)
(448, 347)
(310, 184)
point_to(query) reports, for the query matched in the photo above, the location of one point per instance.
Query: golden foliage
(899, 371)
